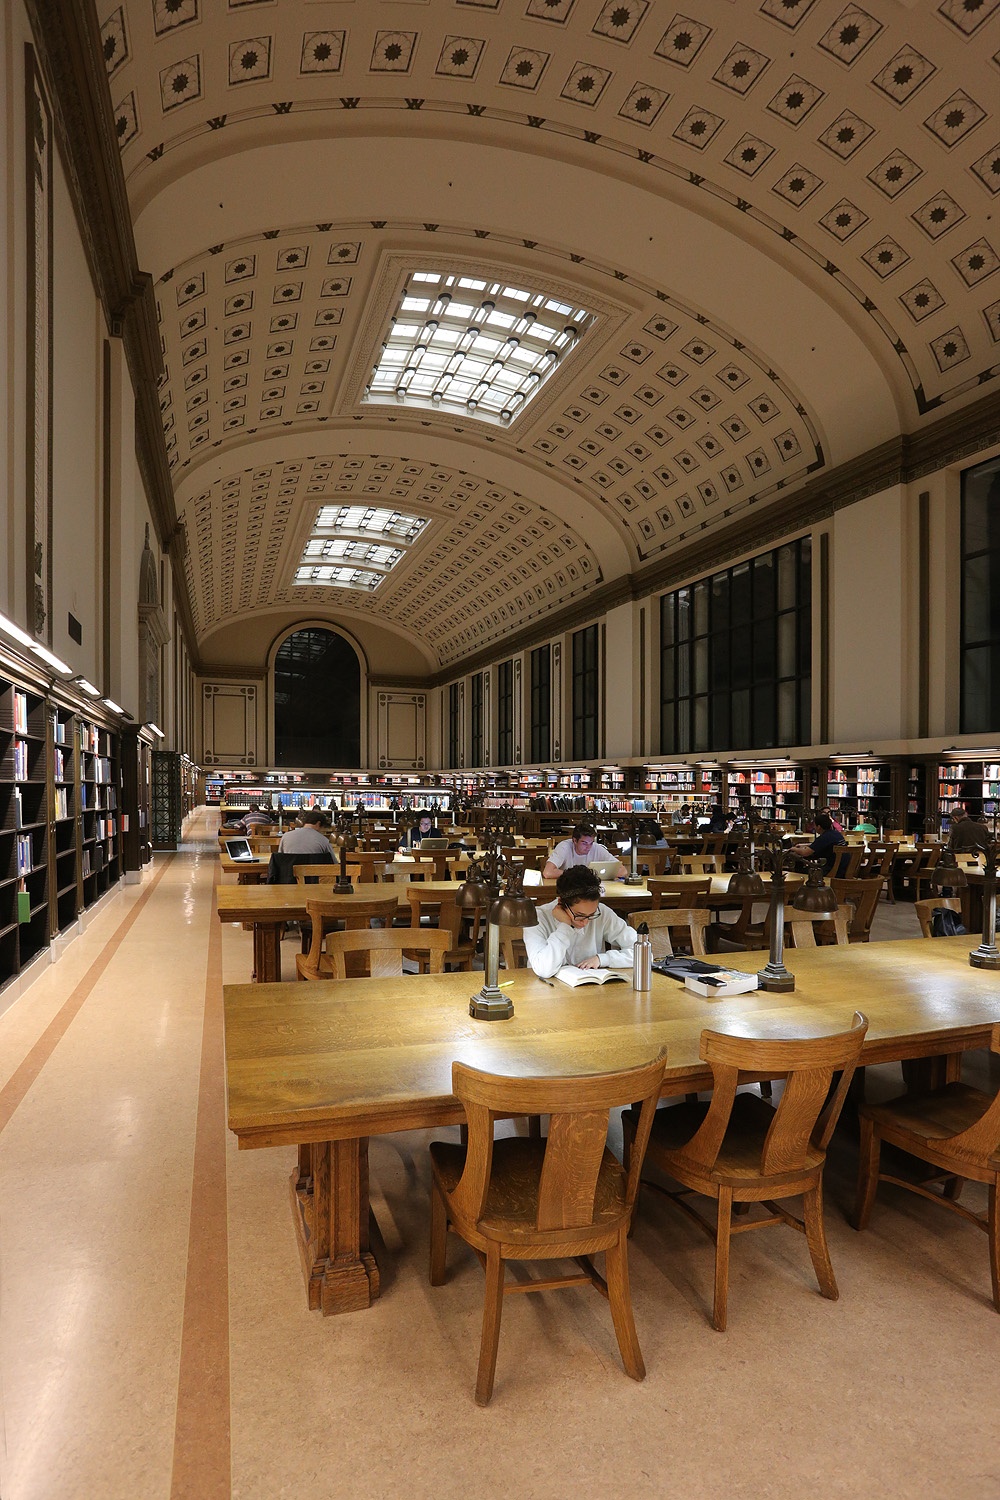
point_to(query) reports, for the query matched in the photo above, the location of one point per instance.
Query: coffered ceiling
(779, 213)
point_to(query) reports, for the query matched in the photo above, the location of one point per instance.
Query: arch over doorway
(317, 691)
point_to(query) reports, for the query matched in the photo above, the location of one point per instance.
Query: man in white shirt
(309, 839)
(576, 929)
(579, 849)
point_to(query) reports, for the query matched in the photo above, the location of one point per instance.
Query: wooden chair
(925, 911)
(737, 1149)
(689, 892)
(440, 909)
(692, 921)
(800, 926)
(322, 914)
(878, 865)
(955, 1129)
(382, 951)
(512, 949)
(653, 856)
(527, 1198)
(317, 874)
(863, 896)
(911, 867)
(699, 864)
(847, 861)
(925, 874)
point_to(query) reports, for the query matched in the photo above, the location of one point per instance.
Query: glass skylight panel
(355, 546)
(366, 520)
(340, 577)
(487, 354)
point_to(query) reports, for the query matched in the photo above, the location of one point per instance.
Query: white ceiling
(781, 210)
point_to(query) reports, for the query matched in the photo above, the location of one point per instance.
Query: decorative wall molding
(229, 724)
(401, 729)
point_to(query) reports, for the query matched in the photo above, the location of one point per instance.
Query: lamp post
(986, 956)
(627, 826)
(348, 843)
(482, 887)
(767, 848)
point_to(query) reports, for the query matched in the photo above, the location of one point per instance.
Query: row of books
(93, 860)
(98, 769)
(63, 766)
(92, 739)
(20, 711)
(988, 771)
(61, 804)
(59, 727)
(20, 760)
(91, 798)
(24, 854)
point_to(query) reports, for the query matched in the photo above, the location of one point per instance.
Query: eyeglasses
(582, 916)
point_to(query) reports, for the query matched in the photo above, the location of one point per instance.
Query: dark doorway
(317, 701)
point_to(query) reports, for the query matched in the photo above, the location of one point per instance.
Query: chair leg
(993, 1235)
(722, 1237)
(816, 1239)
(869, 1151)
(620, 1298)
(439, 1237)
(492, 1312)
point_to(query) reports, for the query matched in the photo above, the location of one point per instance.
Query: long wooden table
(325, 1065)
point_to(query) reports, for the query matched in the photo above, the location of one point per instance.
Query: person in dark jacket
(824, 846)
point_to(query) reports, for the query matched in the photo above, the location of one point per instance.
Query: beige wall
(246, 644)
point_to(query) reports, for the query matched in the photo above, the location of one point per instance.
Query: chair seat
(936, 1116)
(509, 1213)
(738, 1163)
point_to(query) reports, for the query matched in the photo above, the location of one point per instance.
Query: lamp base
(491, 1004)
(985, 958)
(777, 981)
(633, 880)
(343, 886)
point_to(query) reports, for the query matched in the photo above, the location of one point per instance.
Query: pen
(505, 985)
(550, 982)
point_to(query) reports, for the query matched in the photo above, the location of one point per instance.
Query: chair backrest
(323, 914)
(981, 1140)
(661, 921)
(443, 905)
(281, 868)
(322, 874)
(801, 925)
(653, 856)
(576, 1143)
(863, 896)
(925, 911)
(807, 1111)
(691, 892)
(512, 949)
(384, 949)
(699, 864)
(847, 864)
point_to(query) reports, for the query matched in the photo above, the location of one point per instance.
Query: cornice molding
(68, 44)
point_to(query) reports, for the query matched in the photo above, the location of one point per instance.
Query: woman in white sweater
(576, 929)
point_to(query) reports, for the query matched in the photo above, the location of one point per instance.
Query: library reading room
(500, 749)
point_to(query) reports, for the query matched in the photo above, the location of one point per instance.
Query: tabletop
(341, 1059)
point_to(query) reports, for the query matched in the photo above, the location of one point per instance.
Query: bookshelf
(100, 809)
(24, 865)
(971, 780)
(137, 850)
(665, 789)
(859, 790)
(772, 792)
(64, 826)
(916, 798)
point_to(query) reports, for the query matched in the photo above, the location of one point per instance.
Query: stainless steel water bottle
(642, 960)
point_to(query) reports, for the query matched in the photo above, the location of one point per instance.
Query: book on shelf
(20, 711)
(571, 975)
(61, 802)
(20, 760)
(18, 809)
(24, 854)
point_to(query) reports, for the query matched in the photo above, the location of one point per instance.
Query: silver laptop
(239, 849)
(434, 843)
(604, 869)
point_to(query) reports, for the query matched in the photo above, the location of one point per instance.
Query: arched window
(317, 700)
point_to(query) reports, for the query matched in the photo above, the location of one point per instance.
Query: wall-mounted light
(115, 708)
(86, 687)
(50, 658)
(156, 730)
(15, 632)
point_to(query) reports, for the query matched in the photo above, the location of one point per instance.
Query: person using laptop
(581, 848)
(423, 828)
(309, 838)
(576, 929)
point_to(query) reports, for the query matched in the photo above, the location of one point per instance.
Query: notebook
(604, 869)
(239, 849)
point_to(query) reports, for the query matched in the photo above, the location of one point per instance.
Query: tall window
(505, 713)
(454, 726)
(736, 654)
(317, 701)
(585, 694)
(476, 705)
(541, 705)
(981, 598)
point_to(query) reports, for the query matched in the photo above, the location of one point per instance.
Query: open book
(569, 974)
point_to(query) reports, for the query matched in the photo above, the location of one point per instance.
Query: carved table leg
(332, 1222)
(267, 952)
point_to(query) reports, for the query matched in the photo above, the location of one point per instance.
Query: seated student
(423, 828)
(576, 929)
(256, 817)
(968, 832)
(579, 849)
(824, 845)
(651, 833)
(717, 820)
(308, 838)
(864, 824)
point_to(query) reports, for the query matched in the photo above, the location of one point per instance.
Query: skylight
(477, 346)
(355, 546)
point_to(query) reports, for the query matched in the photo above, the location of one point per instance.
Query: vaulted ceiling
(778, 212)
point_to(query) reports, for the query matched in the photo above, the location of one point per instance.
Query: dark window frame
(454, 725)
(979, 696)
(476, 718)
(585, 692)
(541, 704)
(505, 712)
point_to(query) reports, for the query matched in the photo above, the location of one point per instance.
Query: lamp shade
(815, 894)
(514, 911)
(948, 873)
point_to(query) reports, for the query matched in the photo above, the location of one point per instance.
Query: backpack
(945, 922)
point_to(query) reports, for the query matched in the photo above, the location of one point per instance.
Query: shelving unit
(65, 825)
(916, 798)
(24, 865)
(190, 775)
(665, 789)
(859, 789)
(772, 792)
(137, 849)
(100, 804)
(971, 780)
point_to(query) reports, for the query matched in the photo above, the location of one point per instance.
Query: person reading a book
(576, 930)
(579, 849)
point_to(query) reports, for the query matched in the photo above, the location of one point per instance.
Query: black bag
(945, 922)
